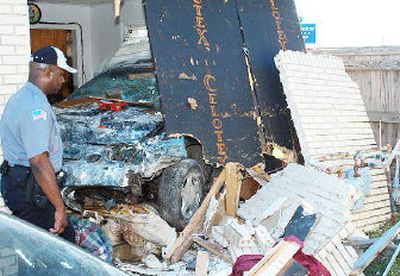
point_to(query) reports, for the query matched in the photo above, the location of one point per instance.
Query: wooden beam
(233, 185)
(216, 215)
(277, 260)
(384, 117)
(201, 263)
(117, 8)
(214, 248)
(185, 240)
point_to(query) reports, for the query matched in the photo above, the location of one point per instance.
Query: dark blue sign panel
(202, 76)
(268, 27)
(308, 31)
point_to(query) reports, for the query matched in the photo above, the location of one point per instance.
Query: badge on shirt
(39, 114)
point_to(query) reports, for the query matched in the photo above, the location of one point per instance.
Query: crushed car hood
(105, 148)
(103, 128)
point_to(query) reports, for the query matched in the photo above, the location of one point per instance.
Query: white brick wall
(330, 117)
(14, 51)
(324, 195)
(14, 47)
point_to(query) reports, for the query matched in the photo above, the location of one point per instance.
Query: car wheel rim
(190, 194)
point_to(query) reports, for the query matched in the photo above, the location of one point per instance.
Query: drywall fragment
(151, 227)
(264, 238)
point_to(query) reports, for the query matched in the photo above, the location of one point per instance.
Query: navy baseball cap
(52, 55)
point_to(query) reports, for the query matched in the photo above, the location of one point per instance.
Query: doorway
(61, 39)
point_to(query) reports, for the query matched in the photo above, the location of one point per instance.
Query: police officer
(32, 146)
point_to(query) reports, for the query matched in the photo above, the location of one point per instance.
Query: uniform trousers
(13, 189)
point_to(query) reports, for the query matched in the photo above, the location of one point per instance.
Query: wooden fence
(377, 72)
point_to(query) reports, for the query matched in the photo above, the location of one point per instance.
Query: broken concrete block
(267, 211)
(240, 235)
(323, 194)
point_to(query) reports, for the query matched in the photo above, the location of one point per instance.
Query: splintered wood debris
(297, 211)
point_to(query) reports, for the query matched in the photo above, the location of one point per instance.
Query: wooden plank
(185, 241)
(275, 261)
(358, 51)
(201, 263)
(216, 216)
(384, 116)
(214, 248)
(233, 184)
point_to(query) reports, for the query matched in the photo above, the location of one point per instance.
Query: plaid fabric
(92, 238)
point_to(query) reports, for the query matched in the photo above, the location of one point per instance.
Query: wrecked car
(116, 151)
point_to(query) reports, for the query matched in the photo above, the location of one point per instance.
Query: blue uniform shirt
(29, 127)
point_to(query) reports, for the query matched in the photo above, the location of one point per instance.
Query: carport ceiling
(75, 2)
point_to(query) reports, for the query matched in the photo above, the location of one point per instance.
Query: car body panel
(29, 250)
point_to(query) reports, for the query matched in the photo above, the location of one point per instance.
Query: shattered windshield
(128, 84)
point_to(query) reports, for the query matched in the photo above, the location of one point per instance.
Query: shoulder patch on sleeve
(39, 114)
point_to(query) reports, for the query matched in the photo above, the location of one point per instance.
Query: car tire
(180, 192)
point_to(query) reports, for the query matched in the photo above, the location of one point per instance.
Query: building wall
(14, 58)
(74, 17)
(101, 32)
(14, 47)
(106, 33)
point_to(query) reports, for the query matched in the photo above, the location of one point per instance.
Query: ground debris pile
(298, 222)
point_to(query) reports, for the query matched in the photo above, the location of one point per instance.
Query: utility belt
(26, 181)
